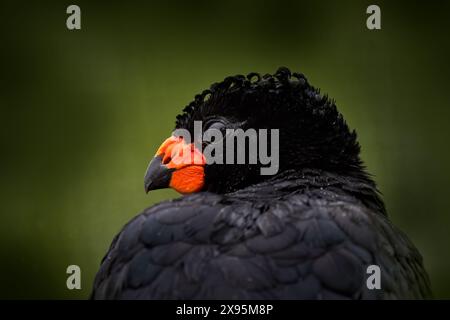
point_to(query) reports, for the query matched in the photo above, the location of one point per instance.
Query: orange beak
(177, 165)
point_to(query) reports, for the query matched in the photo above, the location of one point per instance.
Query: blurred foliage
(82, 113)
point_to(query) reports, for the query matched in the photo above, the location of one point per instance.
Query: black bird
(308, 232)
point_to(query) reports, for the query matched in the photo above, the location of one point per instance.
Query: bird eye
(217, 124)
(214, 124)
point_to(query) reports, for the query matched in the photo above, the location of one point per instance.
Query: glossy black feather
(306, 239)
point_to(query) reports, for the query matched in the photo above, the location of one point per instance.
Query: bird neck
(357, 184)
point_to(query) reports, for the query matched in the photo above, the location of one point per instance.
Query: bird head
(303, 130)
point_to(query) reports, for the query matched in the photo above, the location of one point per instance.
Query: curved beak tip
(157, 176)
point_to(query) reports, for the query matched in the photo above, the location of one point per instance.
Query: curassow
(308, 232)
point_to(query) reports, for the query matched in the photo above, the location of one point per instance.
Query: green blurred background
(82, 112)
